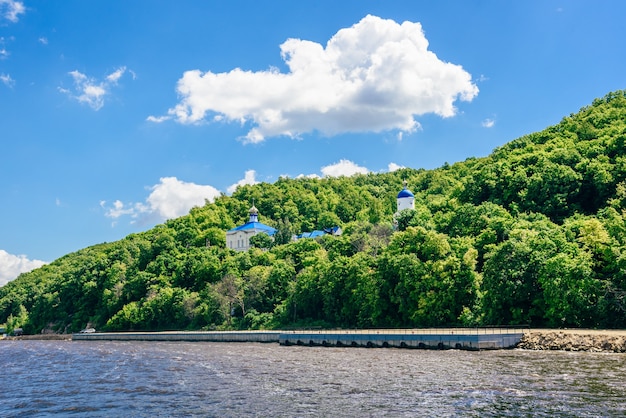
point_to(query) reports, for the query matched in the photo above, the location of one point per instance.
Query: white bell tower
(406, 199)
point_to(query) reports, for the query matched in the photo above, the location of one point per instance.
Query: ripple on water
(208, 379)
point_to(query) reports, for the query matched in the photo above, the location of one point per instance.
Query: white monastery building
(238, 238)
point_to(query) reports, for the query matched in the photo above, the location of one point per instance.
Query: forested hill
(533, 234)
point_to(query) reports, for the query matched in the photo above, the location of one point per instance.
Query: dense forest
(533, 234)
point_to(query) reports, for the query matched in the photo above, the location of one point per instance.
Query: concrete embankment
(441, 339)
(464, 339)
(459, 338)
(575, 340)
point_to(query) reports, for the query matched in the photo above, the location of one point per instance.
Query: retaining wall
(464, 339)
(404, 340)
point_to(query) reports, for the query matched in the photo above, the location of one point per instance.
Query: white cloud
(374, 76)
(7, 80)
(249, 178)
(89, 91)
(488, 123)
(169, 199)
(116, 75)
(4, 53)
(307, 176)
(43, 40)
(157, 119)
(394, 167)
(12, 266)
(343, 168)
(137, 211)
(11, 9)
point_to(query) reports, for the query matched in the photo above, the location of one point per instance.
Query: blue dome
(405, 193)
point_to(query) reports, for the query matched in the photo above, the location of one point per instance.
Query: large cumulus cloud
(376, 75)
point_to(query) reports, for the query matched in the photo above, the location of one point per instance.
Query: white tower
(406, 199)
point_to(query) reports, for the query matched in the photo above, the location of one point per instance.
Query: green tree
(261, 240)
(284, 232)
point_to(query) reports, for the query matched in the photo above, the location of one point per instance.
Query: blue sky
(117, 115)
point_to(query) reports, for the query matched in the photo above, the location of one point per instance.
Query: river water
(148, 379)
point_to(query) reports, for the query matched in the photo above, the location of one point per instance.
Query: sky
(118, 115)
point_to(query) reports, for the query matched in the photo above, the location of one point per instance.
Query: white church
(238, 238)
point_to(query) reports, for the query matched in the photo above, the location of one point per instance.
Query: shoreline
(586, 340)
(39, 337)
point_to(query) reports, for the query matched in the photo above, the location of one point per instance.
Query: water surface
(154, 379)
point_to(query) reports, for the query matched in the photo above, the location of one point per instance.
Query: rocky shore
(613, 341)
(64, 337)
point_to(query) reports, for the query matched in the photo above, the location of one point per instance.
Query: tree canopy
(533, 234)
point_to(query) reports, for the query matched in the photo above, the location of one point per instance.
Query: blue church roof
(335, 230)
(313, 234)
(255, 226)
(405, 193)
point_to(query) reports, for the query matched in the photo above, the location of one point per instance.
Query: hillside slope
(534, 234)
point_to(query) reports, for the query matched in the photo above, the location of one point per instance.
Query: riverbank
(56, 337)
(491, 338)
(612, 341)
